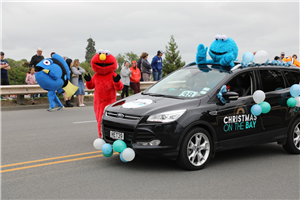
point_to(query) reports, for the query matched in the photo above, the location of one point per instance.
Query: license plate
(117, 135)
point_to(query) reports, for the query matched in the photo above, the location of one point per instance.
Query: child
(30, 80)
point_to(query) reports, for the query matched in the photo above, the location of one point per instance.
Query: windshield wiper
(163, 95)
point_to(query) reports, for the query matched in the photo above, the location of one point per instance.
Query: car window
(241, 84)
(188, 82)
(271, 80)
(292, 77)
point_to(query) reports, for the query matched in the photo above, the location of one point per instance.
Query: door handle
(213, 113)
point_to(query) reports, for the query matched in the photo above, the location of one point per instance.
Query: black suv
(181, 117)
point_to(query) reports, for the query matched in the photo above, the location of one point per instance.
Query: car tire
(196, 150)
(292, 144)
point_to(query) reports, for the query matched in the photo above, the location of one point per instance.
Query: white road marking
(84, 122)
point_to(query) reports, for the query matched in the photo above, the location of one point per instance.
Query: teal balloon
(256, 110)
(108, 154)
(291, 102)
(265, 107)
(119, 146)
(106, 148)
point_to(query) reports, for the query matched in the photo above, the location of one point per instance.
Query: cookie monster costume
(223, 51)
(55, 75)
(105, 82)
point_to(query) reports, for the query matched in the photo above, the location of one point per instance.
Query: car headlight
(166, 116)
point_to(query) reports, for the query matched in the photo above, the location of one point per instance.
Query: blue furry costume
(223, 51)
(55, 75)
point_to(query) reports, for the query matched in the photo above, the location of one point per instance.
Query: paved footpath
(51, 156)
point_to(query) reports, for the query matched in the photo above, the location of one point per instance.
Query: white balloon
(259, 96)
(98, 143)
(298, 101)
(261, 56)
(128, 154)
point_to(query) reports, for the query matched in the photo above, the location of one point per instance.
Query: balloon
(119, 146)
(259, 96)
(106, 149)
(291, 102)
(256, 110)
(98, 143)
(128, 154)
(295, 90)
(121, 157)
(248, 57)
(298, 101)
(265, 107)
(108, 154)
(261, 56)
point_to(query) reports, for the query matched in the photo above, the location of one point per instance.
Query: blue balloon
(106, 148)
(248, 57)
(256, 110)
(121, 157)
(295, 90)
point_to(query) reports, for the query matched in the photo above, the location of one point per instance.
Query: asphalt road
(259, 172)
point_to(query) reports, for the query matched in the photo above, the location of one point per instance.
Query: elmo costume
(105, 82)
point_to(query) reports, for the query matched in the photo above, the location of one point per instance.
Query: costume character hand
(87, 77)
(116, 78)
(201, 53)
(227, 60)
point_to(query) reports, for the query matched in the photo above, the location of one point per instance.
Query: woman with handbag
(77, 72)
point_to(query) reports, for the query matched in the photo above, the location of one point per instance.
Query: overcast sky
(120, 27)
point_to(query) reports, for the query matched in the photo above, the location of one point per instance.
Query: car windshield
(188, 82)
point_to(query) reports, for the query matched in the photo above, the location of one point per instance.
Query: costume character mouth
(216, 53)
(104, 64)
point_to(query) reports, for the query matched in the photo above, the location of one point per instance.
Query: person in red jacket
(105, 82)
(135, 77)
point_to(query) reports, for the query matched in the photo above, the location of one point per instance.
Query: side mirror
(230, 96)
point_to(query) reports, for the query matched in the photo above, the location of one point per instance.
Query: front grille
(128, 133)
(125, 116)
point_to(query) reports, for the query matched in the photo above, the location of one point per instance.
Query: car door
(275, 87)
(234, 118)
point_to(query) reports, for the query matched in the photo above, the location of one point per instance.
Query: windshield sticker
(188, 94)
(239, 122)
(206, 89)
(137, 103)
(203, 92)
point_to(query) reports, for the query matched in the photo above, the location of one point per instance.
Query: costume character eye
(224, 37)
(99, 51)
(107, 52)
(218, 37)
(47, 62)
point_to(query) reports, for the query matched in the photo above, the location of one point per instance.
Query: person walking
(156, 65)
(135, 77)
(146, 67)
(30, 80)
(77, 80)
(66, 98)
(125, 76)
(4, 74)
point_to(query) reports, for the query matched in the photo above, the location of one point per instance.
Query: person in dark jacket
(4, 74)
(38, 57)
(146, 67)
(157, 66)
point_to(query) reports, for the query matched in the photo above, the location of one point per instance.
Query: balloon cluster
(261, 57)
(295, 99)
(261, 106)
(126, 154)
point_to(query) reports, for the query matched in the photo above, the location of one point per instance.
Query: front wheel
(195, 150)
(292, 144)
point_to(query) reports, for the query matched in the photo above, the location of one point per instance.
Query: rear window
(292, 77)
(271, 80)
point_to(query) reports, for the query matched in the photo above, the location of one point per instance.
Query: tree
(120, 60)
(17, 73)
(90, 50)
(172, 59)
(130, 56)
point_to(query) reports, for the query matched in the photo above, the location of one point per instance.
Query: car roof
(238, 67)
